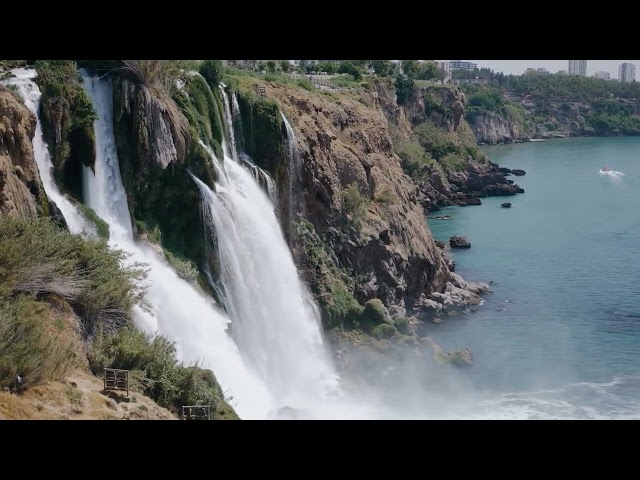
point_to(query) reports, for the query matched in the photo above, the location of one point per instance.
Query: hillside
(517, 108)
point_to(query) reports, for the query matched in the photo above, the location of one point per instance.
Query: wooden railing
(115, 379)
(196, 412)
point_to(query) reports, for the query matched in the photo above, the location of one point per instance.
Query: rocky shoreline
(479, 180)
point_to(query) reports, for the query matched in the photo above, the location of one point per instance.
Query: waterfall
(294, 179)
(179, 310)
(30, 94)
(233, 148)
(274, 324)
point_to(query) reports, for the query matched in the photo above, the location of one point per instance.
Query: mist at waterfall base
(178, 310)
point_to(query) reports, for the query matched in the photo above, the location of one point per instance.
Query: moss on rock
(67, 117)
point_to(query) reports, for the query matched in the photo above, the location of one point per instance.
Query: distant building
(578, 67)
(627, 72)
(562, 72)
(460, 65)
(536, 70)
(602, 75)
(446, 68)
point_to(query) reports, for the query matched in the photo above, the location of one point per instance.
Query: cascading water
(30, 93)
(294, 167)
(276, 324)
(179, 310)
(262, 177)
(273, 324)
(233, 148)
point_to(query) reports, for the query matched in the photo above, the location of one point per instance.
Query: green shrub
(374, 314)
(36, 342)
(41, 259)
(155, 370)
(306, 84)
(355, 205)
(102, 227)
(404, 88)
(401, 323)
(383, 330)
(414, 160)
(212, 71)
(185, 268)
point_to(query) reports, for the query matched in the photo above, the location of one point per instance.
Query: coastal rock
(459, 242)
(518, 173)
(505, 205)
(493, 128)
(473, 201)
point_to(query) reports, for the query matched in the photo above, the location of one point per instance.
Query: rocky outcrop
(21, 192)
(346, 150)
(478, 180)
(494, 128)
(459, 242)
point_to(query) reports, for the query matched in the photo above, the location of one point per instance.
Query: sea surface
(559, 337)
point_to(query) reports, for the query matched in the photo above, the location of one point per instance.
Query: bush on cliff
(48, 278)
(67, 121)
(330, 284)
(383, 331)
(374, 314)
(155, 370)
(355, 206)
(212, 71)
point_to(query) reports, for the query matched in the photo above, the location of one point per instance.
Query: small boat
(605, 169)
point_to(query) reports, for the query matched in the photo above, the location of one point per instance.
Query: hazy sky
(519, 66)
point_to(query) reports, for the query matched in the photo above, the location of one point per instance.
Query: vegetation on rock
(65, 302)
(67, 122)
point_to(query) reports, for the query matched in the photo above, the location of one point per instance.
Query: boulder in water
(474, 201)
(518, 173)
(505, 205)
(459, 242)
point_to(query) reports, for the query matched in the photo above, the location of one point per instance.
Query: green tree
(271, 66)
(212, 71)
(430, 71)
(404, 86)
(328, 67)
(382, 68)
(410, 68)
(285, 65)
(352, 69)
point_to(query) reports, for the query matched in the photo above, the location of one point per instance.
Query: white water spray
(30, 93)
(274, 325)
(179, 310)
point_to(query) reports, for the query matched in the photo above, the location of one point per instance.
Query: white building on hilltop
(602, 75)
(627, 72)
(578, 67)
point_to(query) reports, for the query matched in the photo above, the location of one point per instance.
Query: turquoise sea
(559, 337)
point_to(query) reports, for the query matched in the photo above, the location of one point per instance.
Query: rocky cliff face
(494, 128)
(21, 191)
(360, 204)
(444, 107)
(343, 145)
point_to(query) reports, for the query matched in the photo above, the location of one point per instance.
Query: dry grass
(78, 398)
(157, 78)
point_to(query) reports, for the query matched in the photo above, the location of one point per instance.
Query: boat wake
(611, 173)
